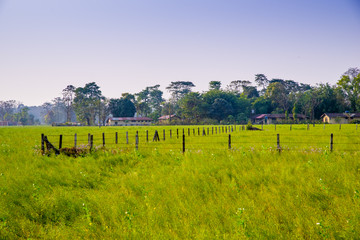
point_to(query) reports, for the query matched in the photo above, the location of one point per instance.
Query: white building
(129, 121)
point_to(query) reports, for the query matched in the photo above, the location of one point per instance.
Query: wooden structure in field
(129, 121)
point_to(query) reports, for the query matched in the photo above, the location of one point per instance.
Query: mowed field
(217, 189)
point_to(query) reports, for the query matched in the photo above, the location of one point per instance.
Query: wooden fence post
(278, 143)
(204, 134)
(183, 144)
(147, 135)
(340, 126)
(198, 131)
(194, 131)
(331, 142)
(116, 138)
(164, 134)
(42, 144)
(89, 138)
(208, 131)
(137, 141)
(60, 142)
(308, 127)
(127, 138)
(290, 127)
(212, 130)
(91, 142)
(188, 131)
(75, 140)
(170, 134)
(215, 130)
(177, 133)
(229, 141)
(103, 139)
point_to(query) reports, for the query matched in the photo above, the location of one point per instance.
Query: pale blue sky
(126, 45)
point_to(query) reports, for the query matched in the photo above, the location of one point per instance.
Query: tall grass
(209, 192)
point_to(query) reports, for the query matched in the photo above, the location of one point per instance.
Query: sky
(127, 45)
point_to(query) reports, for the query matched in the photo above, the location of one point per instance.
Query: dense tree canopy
(236, 103)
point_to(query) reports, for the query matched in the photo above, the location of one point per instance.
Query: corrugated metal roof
(130, 119)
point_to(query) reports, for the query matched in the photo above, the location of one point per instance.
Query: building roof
(166, 117)
(342, 115)
(277, 115)
(130, 119)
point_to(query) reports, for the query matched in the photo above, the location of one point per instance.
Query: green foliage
(249, 125)
(350, 85)
(122, 107)
(87, 103)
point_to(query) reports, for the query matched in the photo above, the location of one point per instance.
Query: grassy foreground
(208, 193)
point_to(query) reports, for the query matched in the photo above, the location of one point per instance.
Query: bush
(249, 125)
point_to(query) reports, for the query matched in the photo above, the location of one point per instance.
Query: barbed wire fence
(202, 139)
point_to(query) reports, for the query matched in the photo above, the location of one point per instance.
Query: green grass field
(157, 192)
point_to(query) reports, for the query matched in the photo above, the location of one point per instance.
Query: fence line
(184, 143)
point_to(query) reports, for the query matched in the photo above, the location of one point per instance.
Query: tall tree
(179, 89)
(192, 106)
(7, 109)
(238, 86)
(278, 95)
(87, 103)
(149, 100)
(68, 98)
(262, 81)
(214, 85)
(48, 113)
(59, 109)
(350, 85)
(122, 107)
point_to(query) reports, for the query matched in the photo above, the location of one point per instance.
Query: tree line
(234, 103)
